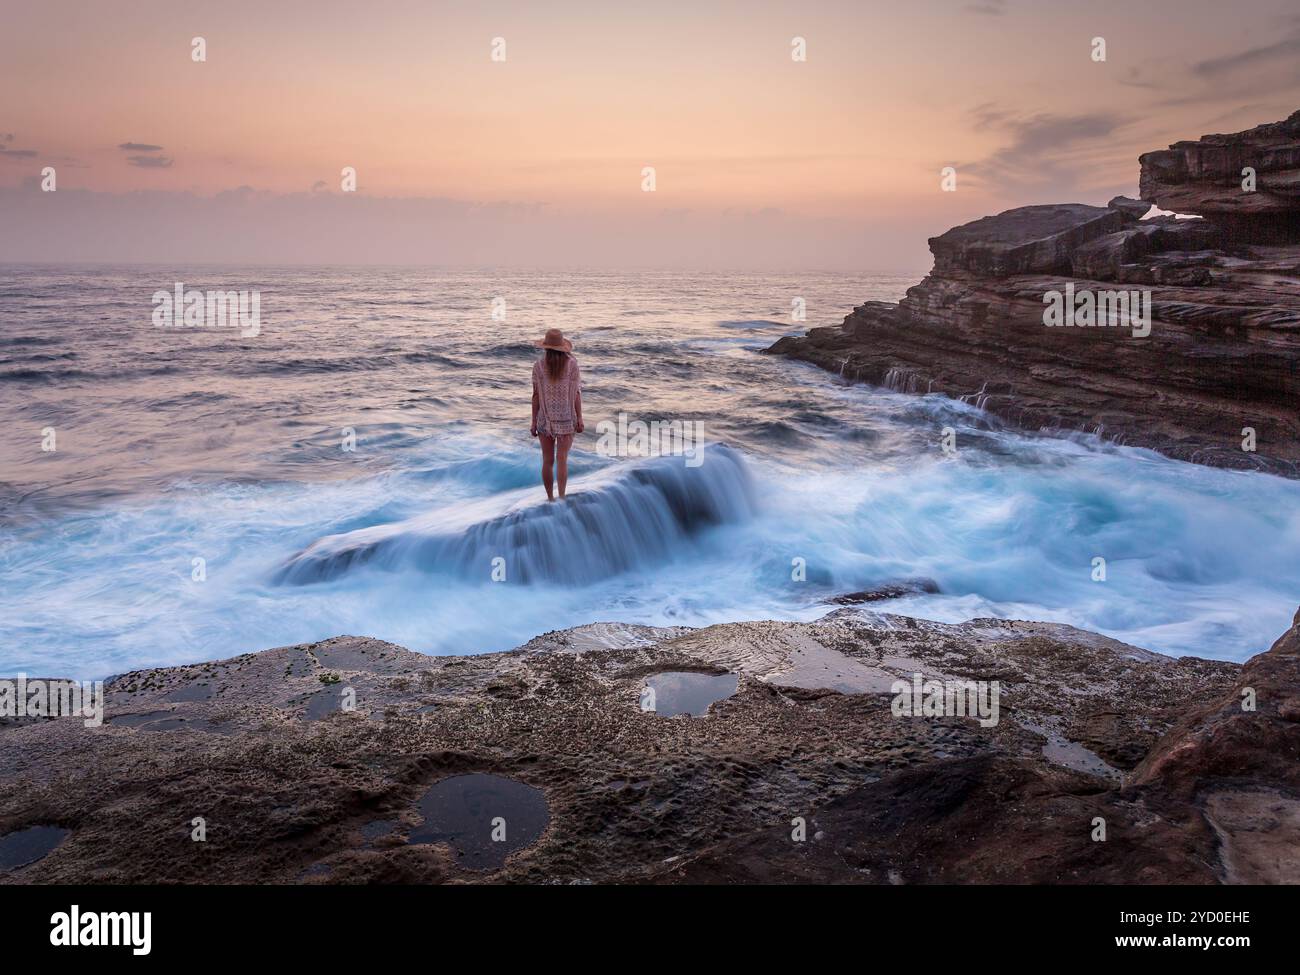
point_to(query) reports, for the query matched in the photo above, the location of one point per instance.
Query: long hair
(555, 363)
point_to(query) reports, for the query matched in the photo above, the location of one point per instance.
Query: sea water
(200, 477)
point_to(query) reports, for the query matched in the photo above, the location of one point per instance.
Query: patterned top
(555, 413)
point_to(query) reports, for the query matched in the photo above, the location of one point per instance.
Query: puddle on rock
(194, 724)
(1074, 756)
(316, 870)
(683, 692)
(167, 721)
(377, 828)
(1060, 750)
(375, 660)
(299, 666)
(467, 811)
(191, 692)
(135, 720)
(321, 704)
(25, 846)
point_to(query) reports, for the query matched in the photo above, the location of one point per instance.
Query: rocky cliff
(1211, 376)
(353, 760)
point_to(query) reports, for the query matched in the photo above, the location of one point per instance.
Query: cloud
(1046, 154)
(989, 8)
(1045, 136)
(1270, 71)
(990, 113)
(150, 162)
(320, 186)
(13, 154)
(139, 147)
(1254, 57)
(1134, 79)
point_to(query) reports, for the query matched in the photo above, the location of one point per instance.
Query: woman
(557, 406)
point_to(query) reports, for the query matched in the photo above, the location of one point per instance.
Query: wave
(38, 375)
(617, 520)
(511, 350)
(754, 324)
(37, 357)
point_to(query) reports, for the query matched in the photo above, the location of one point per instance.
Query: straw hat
(554, 339)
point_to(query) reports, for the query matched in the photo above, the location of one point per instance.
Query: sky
(760, 161)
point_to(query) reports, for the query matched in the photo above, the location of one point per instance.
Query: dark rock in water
(25, 846)
(484, 818)
(893, 590)
(1220, 366)
(683, 692)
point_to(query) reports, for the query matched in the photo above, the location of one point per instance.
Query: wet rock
(1244, 733)
(593, 789)
(1223, 350)
(892, 590)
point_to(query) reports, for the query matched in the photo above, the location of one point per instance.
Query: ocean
(191, 468)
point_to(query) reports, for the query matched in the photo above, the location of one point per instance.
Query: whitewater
(201, 502)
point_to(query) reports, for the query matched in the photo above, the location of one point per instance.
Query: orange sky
(591, 92)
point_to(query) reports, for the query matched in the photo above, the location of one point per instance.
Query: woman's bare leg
(548, 457)
(562, 445)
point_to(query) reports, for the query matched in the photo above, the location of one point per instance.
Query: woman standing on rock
(557, 406)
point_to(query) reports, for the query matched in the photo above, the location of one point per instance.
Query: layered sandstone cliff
(1216, 370)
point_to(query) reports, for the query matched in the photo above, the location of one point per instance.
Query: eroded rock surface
(1223, 351)
(1205, 176)
(1191, 789)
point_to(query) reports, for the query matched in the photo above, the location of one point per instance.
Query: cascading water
(632, 516)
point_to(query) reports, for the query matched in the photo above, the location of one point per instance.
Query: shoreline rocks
(1191, 788)
(1223, 352)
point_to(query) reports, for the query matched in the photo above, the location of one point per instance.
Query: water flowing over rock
(632, 515)
(1216, 380)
